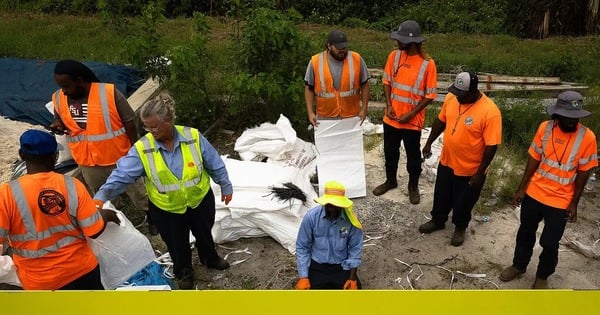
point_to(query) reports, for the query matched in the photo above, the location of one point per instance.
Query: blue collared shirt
(129, 168)
(327, 242)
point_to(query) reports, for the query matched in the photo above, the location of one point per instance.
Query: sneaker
(220, 264)
(430, 226)
(186, 281)
(458, 238)
(540, 284)
(413, 195)
(383, 188)
(510, 273)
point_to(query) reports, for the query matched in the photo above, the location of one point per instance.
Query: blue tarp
(26, 85)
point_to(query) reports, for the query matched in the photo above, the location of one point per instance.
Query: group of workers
(561, 156)
(47, 216)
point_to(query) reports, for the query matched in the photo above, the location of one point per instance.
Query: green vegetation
(247, 65)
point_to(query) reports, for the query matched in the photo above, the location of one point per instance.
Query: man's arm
(530, 168)
(365, 89)
(408, 116)
(478, 179)
(309, 98)
(580, 180)
(436, 130)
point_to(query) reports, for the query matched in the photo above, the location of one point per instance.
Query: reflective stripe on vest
(321, 74)
(31, 233)
(570, 164)
(105, 115)
(403, 87)
(149, 153)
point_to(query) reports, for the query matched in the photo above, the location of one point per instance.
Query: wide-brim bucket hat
(568, 104)
(408, 32)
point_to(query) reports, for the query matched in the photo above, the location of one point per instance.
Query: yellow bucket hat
(335, 194)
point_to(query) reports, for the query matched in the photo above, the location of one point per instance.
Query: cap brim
(338, 201)
(340, 46)
(459, 93)
(579, 113)
(406, 39)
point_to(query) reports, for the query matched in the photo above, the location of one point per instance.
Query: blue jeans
(532, 213)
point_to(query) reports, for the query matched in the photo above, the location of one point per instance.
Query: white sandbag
(8, 270)
(303, 155)
(341, 155)
(121, 250)
(267, 140)
(64, 152)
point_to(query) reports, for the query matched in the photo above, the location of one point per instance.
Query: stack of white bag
(254, 210)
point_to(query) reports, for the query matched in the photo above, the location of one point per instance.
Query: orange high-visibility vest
(410, 82)
(553, 183)
(344, 102)
(46, 217)
(104, 140)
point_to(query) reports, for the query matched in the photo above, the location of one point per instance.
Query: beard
(567, 124)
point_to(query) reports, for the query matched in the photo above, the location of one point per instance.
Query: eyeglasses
(152, 129)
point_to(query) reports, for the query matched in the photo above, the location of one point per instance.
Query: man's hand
(426, 151)
(303, 284)
(389, 111)
(110, 216)
(58, 128)
(362, 115)
(226, 198)
(312, 118)
(571, 214)
(518, 198)
(350, 285)
(405, 118)
(477, 180)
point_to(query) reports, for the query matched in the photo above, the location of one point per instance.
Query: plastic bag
(121, 250)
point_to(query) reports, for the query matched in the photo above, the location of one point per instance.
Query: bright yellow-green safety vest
(164, 189)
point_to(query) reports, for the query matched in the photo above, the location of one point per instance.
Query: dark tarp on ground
(26, 85)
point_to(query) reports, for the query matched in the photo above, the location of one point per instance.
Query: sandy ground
(396, 255)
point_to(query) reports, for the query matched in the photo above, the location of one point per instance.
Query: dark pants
(532, 212)
(392, 137)
(175, 230)
(89, 281)
(328, 276)
(453, 193)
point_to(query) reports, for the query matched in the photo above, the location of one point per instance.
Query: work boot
(510, 273)
(430, 226)
(540, 284)
(219, 264)
(413, 194)
(458, 238)
(383, 188)
(186, 280)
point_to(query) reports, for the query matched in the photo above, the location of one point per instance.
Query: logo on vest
(191, 164)
(51, 202)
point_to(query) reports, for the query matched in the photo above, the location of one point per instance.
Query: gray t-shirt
(335, 67)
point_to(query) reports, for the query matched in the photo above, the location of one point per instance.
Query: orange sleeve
(492, 135)
(388, 71)
(589, 152)
(88, 217)
(447, 100)
(431, 83)
(5, 196)
(536, 144)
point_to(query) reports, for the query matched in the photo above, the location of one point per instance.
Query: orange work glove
(99, 203)
(303, 284)
(350, 285)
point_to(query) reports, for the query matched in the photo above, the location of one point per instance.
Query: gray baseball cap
(568, 104)
(338, 39)
(464, 83)
(408, 32)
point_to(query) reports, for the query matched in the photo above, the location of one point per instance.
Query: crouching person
(329, 243)
(46, 216)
